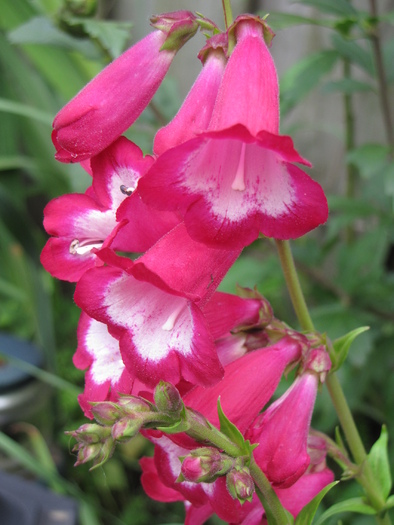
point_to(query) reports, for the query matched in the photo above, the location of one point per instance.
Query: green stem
(366, 477)
(228, 14)
(293, 285)
(268, 496)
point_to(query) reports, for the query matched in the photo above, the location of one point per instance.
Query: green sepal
(389, 503)
(231, 431)
(305, 517)
(182, 425)
(350, 505)
(379, 462)
(342, 345)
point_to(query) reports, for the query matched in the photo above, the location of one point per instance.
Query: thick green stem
(366, 477)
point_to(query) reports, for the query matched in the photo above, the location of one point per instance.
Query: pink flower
(282, 433)
(153, 307)
(237, 180)
(196, 111)
(116, 97)
(81, 224)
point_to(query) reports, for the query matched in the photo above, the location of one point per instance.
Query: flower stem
(366, 476)
(228, 14)
(293, 285)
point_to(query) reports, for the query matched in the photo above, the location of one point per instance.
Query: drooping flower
(116, 97)
(238, 179)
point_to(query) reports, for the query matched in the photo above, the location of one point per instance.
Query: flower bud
(240, 484)
(126, 428)
(167, 398)
(205, 465)
(90, 433)
(106, 412)
(131, 405)
(94, 443)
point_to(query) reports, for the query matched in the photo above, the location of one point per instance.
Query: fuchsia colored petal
(196, 111)
(247, 386)
(99, 352)
(197, 515)
(153, 485)
(282, 433)
(163, 334)
(116, 97)
(232, 189)
(295, 498)
(249, 93)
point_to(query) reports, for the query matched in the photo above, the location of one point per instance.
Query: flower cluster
(148, 245)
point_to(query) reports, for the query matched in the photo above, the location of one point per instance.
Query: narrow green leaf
(278, 20)
(353, 52)
(42, 375)
(351, 505)
(390, 503)
(301, 78)
(347, 85)
(379, 461)
(16, 108)
(332, 7)
(305, 517)
(40, 30)
(342, 345)
(368, 158)
(229, 429)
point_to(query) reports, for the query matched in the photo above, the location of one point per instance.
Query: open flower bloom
(116, 97)
(81, 224)
(237, 180)
(153, 306)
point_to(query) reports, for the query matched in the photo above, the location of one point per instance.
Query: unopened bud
(167, 398)
(94, 443)
(205, 465)
(240, 484)
(106, 412)
(126, 428)
(90, 433)
(131, 405)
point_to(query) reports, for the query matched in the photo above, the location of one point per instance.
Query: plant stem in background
(351, 170)
(366, 478)
(374, 35)
(228, 14)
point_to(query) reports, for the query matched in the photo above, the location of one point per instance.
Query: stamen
(84, 247)
(170, 323)
(239, 179)
(127, 190)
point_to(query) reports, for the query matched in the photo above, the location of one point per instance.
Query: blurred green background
(48, 50)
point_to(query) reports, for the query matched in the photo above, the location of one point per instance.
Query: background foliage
(48, 50)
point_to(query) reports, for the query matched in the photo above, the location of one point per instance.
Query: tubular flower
(81, 224)
(116, 97)
(238, 179)
(153, 306)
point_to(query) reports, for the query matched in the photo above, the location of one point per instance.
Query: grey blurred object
(21, 395)
(25, 502)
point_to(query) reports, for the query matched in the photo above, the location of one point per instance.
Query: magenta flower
(282, 433)
(81, 224)
(153, 306)
(237, 180)
(116, 97)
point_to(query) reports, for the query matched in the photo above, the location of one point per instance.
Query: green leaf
(342, 345)
(229, 429)
(332, 7)
(307, 514)
(379, 461)
(113, 36)
(351, 505)
(16, 108)
(40, 30)
(353, 52)
(278, 20)
(346, 85)
(301, 78)
(368, 158)
(390, 503)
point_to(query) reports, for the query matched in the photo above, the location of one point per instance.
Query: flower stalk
(365, 478)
